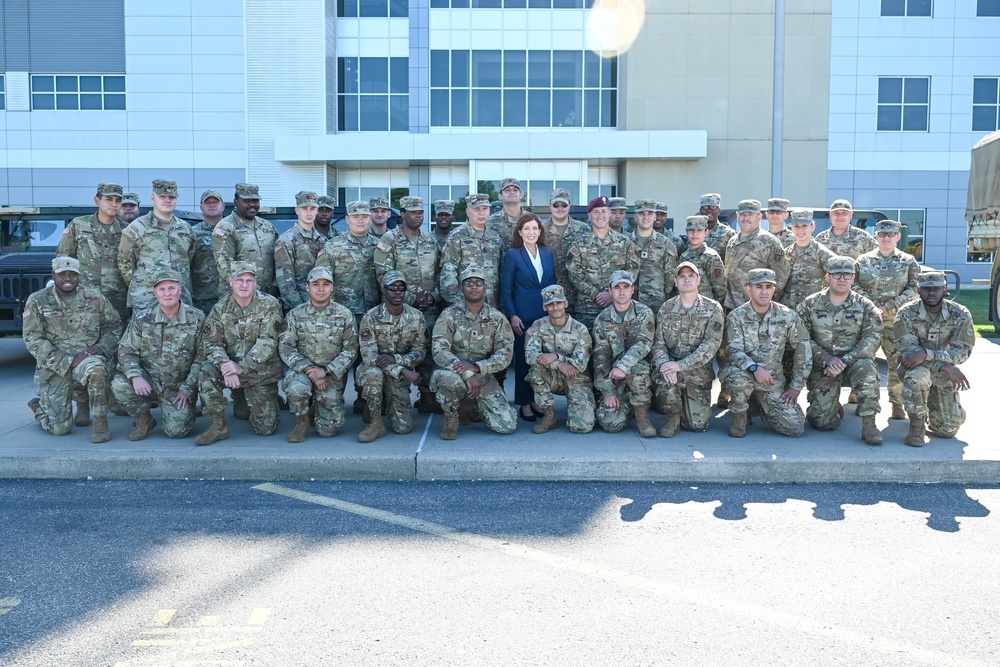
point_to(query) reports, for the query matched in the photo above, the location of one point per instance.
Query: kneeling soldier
(393, 342)
(319, 345)
(159, 358)
(558, 351)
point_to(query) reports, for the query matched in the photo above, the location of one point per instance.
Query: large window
(985, 102)
(906, 7)
(482, 88)
(373, 94)
(72, 92)
(372, 8)
(3, 94)
(511, 4)
(903, 103)
(913, 218)
(988, 8)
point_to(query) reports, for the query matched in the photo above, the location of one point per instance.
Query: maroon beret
(597, 202)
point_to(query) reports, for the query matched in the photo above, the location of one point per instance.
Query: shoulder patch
(219, 231)
(366, 334)
(26, 314)
(66, 230)
(382, 245)
(129, 232)
(650, 325)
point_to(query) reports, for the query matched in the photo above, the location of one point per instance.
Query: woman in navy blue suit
(528, 267)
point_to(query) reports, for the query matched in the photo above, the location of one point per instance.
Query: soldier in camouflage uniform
(934, 335)
(808, 261)
(380, 212)
(93, 239)
(718, 233)
(711, 270)
(688, 335)
(503, 221)
(324, 217)
(204, 272)
(72, 332)
(471, 341)
(618, 207)
(319, 346)
(296, 250)
(350, 258)
(757, 333)
(394, 341)
(472, 246)
(660, 227)
(557, 349)
(129, 210)
(752, 249)
(888, 276)
(844, 329)
(657, 258)
(159, 359)
(623, 337)
(593, 258)
(560, 233)
(842, 238)
(240, 340)
(243, 237)
(444, 218)
(777, 219)
(156, 241)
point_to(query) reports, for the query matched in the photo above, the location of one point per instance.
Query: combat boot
(240, 408)
(218, 430)
(374, 431)
(723, 401)
(897, 412)
(671, 426)
(869, 431)
(100, 432)
(35, 405)
(144, 423)
(738, 429)
(450, 430)
(298, 433)
(548, 422)
(82, 413)
(642, 423)
(915, 438)
(852, 398)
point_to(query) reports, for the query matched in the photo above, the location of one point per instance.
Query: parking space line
(7, 604)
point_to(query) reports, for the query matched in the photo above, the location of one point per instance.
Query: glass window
(347, 75)
(398, 8)
(486, 69)
(592, 108)
(399, 113)
(485, 107)
(439, 69)
(67, 102)
(514, 69)
(43, 84)
(347, 7)
(539, 69)
(439, 108)
(3, 97)
(67, 84)
(985, 103)
(460, 69)
(906, 7)
(538, 108)
(903, 104)
(347, 113)
(373, 109)
(90, 102)
(487, 4)
(567, 108)
(988, 8)
(75, 92)
(592, 70)
(374, 113)
(114, 102)
(373, 75)
(114, 84)
(90, 84)
(43, 102)
(460, 108)
(373, 8)
(399, 75)
(514, 112)
(567, 69)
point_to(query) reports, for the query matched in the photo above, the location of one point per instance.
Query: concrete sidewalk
(763, 456)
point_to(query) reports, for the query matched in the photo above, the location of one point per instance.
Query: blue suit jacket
(520, 287)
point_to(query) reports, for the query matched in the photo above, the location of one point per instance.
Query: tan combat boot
(869, 431)
(82, 413)
(548, 422)
(450, 430)
(35, 405)
(915, 438)
(298, 433)
(218, 430)
(897, 412)
(671, 426)
(100, 432)
(738, 429)
(144, 423)
(374, 431)
(642, 422)
(723, 401)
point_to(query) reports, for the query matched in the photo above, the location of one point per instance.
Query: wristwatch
(752, 368)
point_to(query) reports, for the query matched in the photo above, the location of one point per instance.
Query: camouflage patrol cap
(326, 201)
(112, 189)
(319, 273)
(617, 203)
(444, 206)
(130, 198)
(559, 195)
(758, 276)
(661, 207)
(598, 202)
(305, 198)
(472, 272)
(697, 222)
(166, 274)
(841, 205)
(931, 279)
(776, 204)
(553, 294)
(645, 205)
(801, 216)
(393, 276)
(748, 206)
(247, 191)
(477, 201)
(887, 226)
(687, 265)
(711, 199)
(410, 204)
(239, 268)
(208, 194)
(507, 182)
(621, 277)
(165, 188)
(383, 202)
(358, 208)
(60, 264)
(842, 264)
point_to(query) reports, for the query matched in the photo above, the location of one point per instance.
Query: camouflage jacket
(295, 254)
(165, 353)
(571, 341)
(718, 238)
(713, 271)
(889, 281)
(759, 250)
(248, 336)
(351, 261)
(326, 337)
(559, 239)
(807, 269)
(485, 339)
(204, 271)
(854, 242)
(592, 260)
(237, 240)
(467, 247)
(785, 236)
(850, 331)
(96, 246)
(503, 225)
(148, 246)
(621, 340)
(690, 336)
(416, 258)
(948, 337)
(405, 337)
(440, 239)
(657, 268)
(761, 339)
(680, 242)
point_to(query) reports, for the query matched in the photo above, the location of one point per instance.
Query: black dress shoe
(535, 412)
(527, 418)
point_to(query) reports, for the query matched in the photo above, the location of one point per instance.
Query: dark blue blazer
(521, 289)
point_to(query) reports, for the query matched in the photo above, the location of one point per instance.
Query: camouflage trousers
(55, 394)
(825, 410)
(785, 419)
(300, 391)
(492, 403)
(380, 390)
(579, 393)
(177, 422)
(262, 399)
(891, 351)
(691, 396)
(930, 394)
(635, 390)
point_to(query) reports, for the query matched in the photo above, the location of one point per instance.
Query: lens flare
(614, 25)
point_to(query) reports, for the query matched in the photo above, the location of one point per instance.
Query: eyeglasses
(559, 204)
(841, 276)
(474, 282)
(395, 288)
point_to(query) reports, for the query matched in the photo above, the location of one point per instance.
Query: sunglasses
(395, 288)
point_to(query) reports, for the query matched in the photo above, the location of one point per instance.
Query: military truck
(982, 211)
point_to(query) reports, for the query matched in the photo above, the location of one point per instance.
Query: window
(3, 94)
(903, 103)
(73, 92)
(906, 7)
(483, 88)
(372, 8)
(512, 4)
(985, 101)
(373, 95)
(913, 219)
(988, 8)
